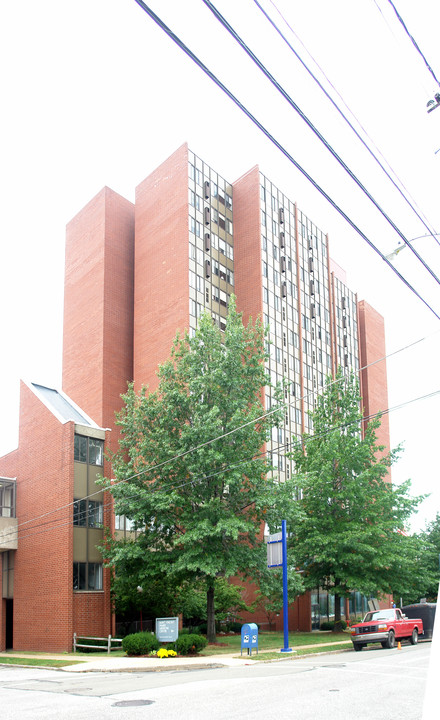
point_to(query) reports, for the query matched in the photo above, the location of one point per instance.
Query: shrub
(329, 625)
(190, 644)
(190, 630)
(233, 627)
(140, 643)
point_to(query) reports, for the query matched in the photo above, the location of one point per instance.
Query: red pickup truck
(385, 626)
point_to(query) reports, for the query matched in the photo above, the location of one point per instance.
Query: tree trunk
(210, 614)
(338, 626)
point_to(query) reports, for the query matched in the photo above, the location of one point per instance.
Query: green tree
(189, 471)
(428, 560)
(414, 569)
(350, 536)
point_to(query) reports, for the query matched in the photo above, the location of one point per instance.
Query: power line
(315, 130)
(277, 144)
(399, 17)
(49, 526)
(292, 403)
(421, 217)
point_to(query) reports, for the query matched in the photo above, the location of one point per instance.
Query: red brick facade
(98, 307)
(374, 387)
(161, 299)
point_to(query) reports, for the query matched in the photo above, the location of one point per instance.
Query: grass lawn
(274, 641)
(269, 644)
(37, 661)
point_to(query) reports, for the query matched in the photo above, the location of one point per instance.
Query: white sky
(94, 94)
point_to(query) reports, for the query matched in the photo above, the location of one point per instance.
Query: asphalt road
(375, 685)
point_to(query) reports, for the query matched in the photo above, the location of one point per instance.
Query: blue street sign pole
(286, 647)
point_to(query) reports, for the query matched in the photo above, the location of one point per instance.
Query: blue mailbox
(249, 637)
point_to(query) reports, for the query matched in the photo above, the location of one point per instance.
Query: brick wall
(374, 385)
(43, 561)
(247, 245)
(43, 595)
(98, 306)
(161, 297)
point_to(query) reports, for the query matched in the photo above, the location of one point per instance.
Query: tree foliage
(189, 471)
(269, 598)
(350, 536)
(426, 577)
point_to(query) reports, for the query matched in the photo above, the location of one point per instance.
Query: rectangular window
(80, 513)
(79, 576)
(96, 451)
(87, 513)
(94, 579)
(80, 449)
(87, 576)
(95, 516)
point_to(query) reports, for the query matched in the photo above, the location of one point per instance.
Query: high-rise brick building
(136, 274)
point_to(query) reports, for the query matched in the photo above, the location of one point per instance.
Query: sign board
(167, 629)
(373, 605)
(275, 550)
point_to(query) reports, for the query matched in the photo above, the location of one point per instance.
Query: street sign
(275, 550)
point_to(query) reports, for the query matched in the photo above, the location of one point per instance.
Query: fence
(107, 646)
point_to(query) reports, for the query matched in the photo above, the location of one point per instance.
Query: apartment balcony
(8, 520)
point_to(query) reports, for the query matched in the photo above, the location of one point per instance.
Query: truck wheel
(357, 647)
(414, 637)
(391, 639)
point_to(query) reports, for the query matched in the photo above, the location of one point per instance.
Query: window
(122, 522)
(89, 450)
(80, 449)
(80, 513)
(87, 513)
(95, 514)
(96, 451)
(87, 576)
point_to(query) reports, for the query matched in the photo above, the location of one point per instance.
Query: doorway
(9, 638)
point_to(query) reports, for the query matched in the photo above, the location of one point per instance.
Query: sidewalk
(90, 663)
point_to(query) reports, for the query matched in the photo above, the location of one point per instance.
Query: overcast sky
(94, 93)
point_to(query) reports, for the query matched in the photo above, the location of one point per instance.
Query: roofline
(32, 387)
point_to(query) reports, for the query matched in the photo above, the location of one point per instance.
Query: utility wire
(315, 130)
(421, 217)
(292, 403)
(399, 17)
(55, 525)
(277, 144)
